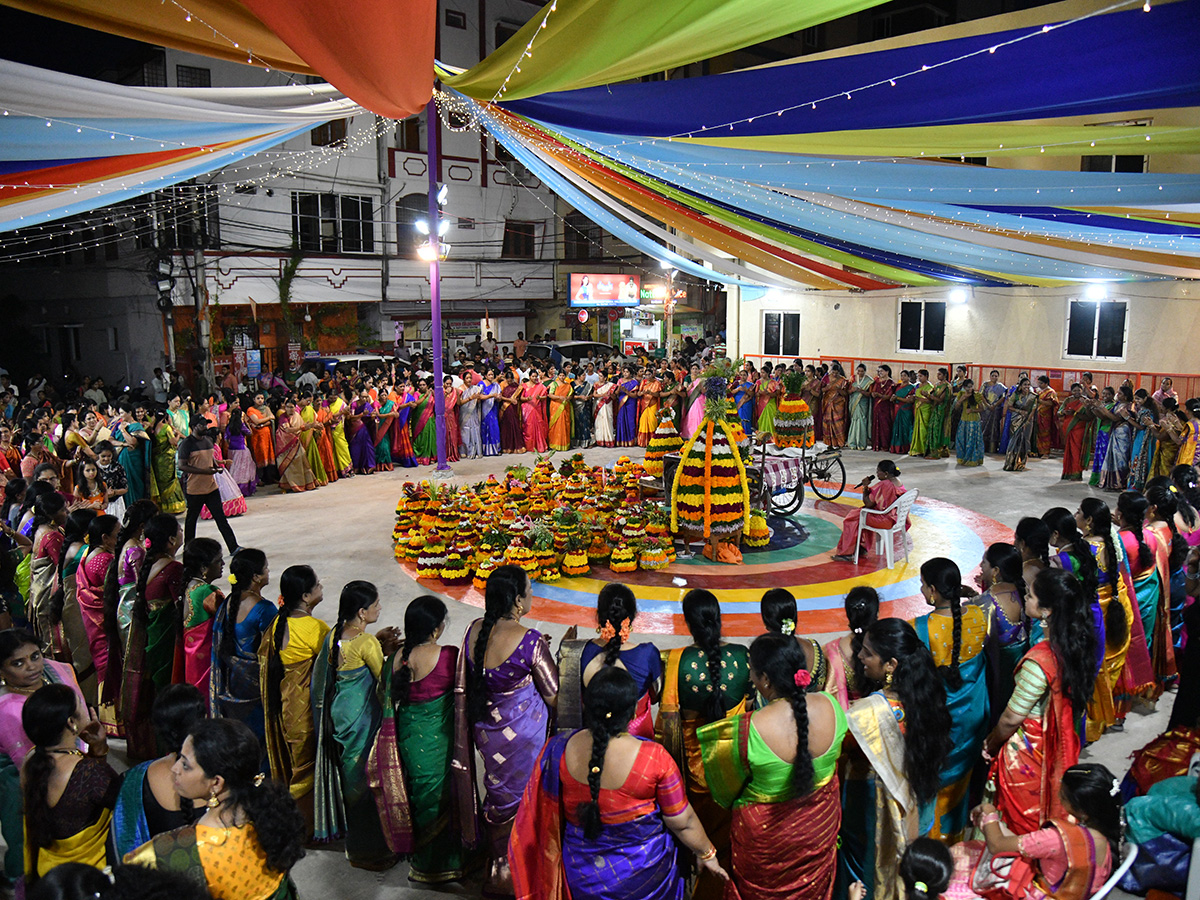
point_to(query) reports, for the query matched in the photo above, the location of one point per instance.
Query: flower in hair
(858, 631)
(624, 632)
(607, 633)
(787, 626)
(232, 578)
(803, 678)
(921, 886)
(258, 779)
(146, 543)
(1116, 788)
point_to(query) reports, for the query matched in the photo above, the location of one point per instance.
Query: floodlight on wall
(425, 251)
(1096, 291)
(443, 194)
(958, 295)
(422, 226)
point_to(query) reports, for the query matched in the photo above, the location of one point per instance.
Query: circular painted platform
(799, 558)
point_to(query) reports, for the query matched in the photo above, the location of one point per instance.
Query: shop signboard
(596, 289)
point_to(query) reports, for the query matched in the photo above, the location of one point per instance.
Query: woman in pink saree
(880, 496)
(693, 403)
(535, 425)
(453, 431)
(89, 590)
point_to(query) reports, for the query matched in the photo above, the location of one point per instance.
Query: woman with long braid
(703, 683)
(1035, 741)
(1151, 582)
(846, 681)
(238, 628)
(154, 632)
(410, 764)
(777, 769)
(1003, 601)
(506, 686)
(956, 636)
(616, 610)
(203, 563)
(347, 714)
(286, 655)
(571, 837)
(902, 735)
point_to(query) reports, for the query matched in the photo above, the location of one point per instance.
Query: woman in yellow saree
(703, 683)
(286, 656)
(560, 393)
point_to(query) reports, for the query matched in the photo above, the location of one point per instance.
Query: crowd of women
(893, 761)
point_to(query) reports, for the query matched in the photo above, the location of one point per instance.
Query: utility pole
(432, 123)
(200, 287)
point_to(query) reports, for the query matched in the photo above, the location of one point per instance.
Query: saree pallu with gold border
(291, 738)
(799, 858)
(1028, 770)
(150, 662)
(1153, 606)
(295, 474)
(880, 814)
(89, 846)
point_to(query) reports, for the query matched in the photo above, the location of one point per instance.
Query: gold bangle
(708, 854)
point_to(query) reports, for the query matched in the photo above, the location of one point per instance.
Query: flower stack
(757, 534)
(665, 440)
(484, 569)
(457, 568)
(565, 523)
(793, 419)
(575, 560)
(653, 555)
(416, 543)
(433, 557)
(598, 550)
(541, 539)
(623, 558)
(518, 554)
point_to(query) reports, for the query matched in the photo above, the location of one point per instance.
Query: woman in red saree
(835, 395)
(1035, 741)
(1047, 436)
(325, 439)
(882, 391)
(1073, 416)
(89, 592)
(452, 431)
(512, 434)
(533, 409)
(295, 474)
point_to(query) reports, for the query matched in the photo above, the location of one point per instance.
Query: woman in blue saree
(743, 402)
(347, 715)
(1114, 468)
(489, 426)
(1145, 415)
(238, 628)
(956, 635)
(569, 837)
(134, 456)
(626, 423)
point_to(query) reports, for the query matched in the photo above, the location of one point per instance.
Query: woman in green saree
(409, 766)
(424, 428)
(347, 715)
(164, 484)
(251, 833)
(860, 411)
(937, 438)
(923, 403)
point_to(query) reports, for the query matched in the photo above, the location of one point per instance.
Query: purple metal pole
(433, 126)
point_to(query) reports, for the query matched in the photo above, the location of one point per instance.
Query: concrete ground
(344, 532)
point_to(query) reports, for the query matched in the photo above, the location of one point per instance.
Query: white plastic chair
(1131, 852)
(888, 536)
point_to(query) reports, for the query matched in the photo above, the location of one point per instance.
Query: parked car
(364, 362)
(576, 351)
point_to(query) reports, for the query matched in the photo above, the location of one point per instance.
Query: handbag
(1162, 863)
(1002, 876)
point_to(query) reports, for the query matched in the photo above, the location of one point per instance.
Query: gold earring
(213, 802)
(887, 681)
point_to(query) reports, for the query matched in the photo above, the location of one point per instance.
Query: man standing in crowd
(520, 345)
(195, 460)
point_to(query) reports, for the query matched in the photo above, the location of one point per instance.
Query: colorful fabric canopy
(72, 144)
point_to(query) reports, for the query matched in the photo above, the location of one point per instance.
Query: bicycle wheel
(832, 473)
(787, 502)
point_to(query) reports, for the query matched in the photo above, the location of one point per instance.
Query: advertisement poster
(239, 363)
(592, 289)
(253, 363)
(295, 357)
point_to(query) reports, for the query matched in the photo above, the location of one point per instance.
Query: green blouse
(695, 686)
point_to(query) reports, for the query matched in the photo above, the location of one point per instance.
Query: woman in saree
(835, 396)
(90, 576)
(489, 415)
(811, 394)
(1003, 602)
(882, 392)
(533, 413)
(1046, 429)
(603, 811)
(625, 415)
(67, 619)
(164, 483)
(880, 496)
(859, 437)
(339, 408)
(559, 429)
(903, 418)
(450, 406)
(414, 750)
(23, 670)
(922, 415)
(383, 432)
(347, 715)
(1036, 740)
(424, 426)
(469, 413)
(778, 610)
(261, 420)
(286, 655)
(238, 627)
(360, 430)
(994, 393)
(1146, 413)
(120, 591)
(250, 834)
(1171, 432)
(506, 691)
(767, 400)
(154, 632)
(49, 520)
(604, 400)
(703, 683)
(1106, 417)
(402, 446)
(743, 398)
(846, 679)
(67, 793)
(324, 437)
(1073, 417)
(693, 403)
(203, 563)
(937, 438)
(1070, 855)
(901, 740)
(956, 636)
(242, 467)
(1151, 583)
(512, 434)
(148, 803)
(581, 410)
(616, 611)
(1164, 519)
(777, 769)
(968, 440)
(295, 474)
(1020, 412)
(133, 443)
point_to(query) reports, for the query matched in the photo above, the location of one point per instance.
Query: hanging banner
(253, 363)
(295, 357)
(239, 363)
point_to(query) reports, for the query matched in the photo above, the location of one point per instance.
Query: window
(192, 77)
(518, 239)
(1115, 163)
(331, 134)
(1096, 329)
(781, 334)
(408, 135)
(68, 343)
(581, 238)
(500, 153)
(922, 326)
(896, 21)
(456, 19)
(327, 223)
(409, 209)
(178, 224)
(154, 70)
(505, 30)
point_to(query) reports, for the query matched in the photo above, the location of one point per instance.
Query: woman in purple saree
(360, 429)
(506, 689)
